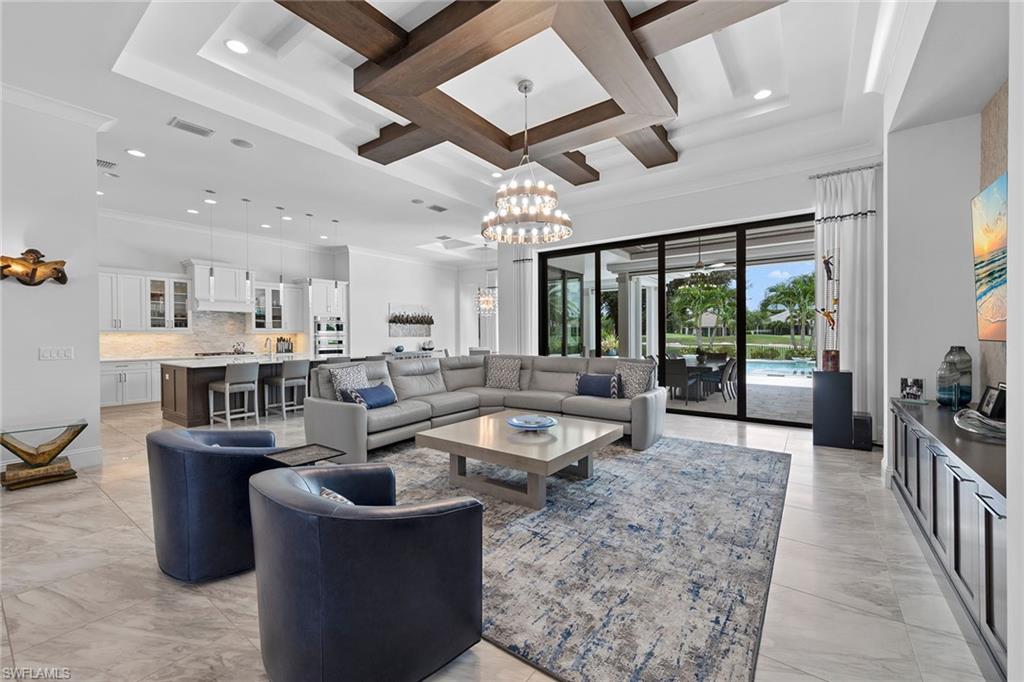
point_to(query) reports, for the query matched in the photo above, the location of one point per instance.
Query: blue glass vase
(947, 384)
(961, 359)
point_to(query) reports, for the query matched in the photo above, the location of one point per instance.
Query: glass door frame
(739, 230)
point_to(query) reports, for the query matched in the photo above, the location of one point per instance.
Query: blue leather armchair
(369, 591)
(201, 499)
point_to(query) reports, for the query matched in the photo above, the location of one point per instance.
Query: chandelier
(487, 301)
(526, 211)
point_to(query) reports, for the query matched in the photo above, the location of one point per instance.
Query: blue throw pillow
(373, 397)
(599, 385)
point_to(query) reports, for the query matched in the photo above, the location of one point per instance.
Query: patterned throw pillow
(333, 496)
(598, 385)
(344, 378)
(636, 377)
(503, 373)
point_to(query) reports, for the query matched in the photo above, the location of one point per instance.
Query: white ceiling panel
(562, 84)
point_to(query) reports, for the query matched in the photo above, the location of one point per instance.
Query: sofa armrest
(337, 425)
(648, 417)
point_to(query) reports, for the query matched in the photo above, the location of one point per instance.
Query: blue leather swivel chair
(367, 591)
(199, 482)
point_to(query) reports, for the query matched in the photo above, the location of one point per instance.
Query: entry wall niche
(994, 121)
(409, 320)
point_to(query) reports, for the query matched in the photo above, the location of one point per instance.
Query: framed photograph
(993, 403)
(912, 389)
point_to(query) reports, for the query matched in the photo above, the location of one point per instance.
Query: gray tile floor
(853, 596)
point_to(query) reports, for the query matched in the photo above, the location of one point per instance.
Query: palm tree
(803, 296)
(783, 297)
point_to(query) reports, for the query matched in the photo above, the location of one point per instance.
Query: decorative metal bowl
(532, 422)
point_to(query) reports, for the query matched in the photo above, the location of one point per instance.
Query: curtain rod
(845, 170)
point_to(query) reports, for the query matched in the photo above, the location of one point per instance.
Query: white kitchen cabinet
(328, 298)
(122, 302)
(278, 309)
(126, 383)
(294, 308)
(168, 305)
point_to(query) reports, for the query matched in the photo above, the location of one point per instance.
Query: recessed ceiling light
(192, 211)
(137, 153)
(237, 46)
(323, 236)
(762, 94)
(417, 201)
(286, 217)
(99, 193)
(239, 142)
(265, 225)
(209, 201)
(495, 174)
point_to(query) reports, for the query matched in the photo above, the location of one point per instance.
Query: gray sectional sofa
(436, 392)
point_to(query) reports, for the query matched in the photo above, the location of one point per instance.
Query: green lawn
(691, 340)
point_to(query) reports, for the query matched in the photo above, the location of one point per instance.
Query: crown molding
(33, 101)
(254, 238)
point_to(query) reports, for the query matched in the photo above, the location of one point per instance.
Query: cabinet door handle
(936, 453)
(984, 499)
(953, 470)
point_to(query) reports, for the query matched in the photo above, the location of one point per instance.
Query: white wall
(377, 280)
(474, 331)
(49, 203)
(933, 172)
(1015, 348)
(152, 244)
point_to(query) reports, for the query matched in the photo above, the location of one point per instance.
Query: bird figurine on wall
(828, 262)
(31, 270)
(829, 315)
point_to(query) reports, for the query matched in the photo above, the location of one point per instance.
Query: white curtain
(848, 225)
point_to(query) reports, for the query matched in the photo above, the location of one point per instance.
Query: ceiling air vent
(442, 237)
(105, 165)
(437, 209)
(188, 127)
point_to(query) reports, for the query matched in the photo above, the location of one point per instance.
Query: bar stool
(238, 378)
(294, 374)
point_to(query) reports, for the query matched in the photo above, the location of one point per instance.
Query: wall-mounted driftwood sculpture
(31, 270)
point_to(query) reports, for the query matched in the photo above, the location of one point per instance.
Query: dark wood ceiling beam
(673, 23)
(571, 167)
(650, 146)
(599, 35)
(397, 141)
(357, 24)
(460, 38)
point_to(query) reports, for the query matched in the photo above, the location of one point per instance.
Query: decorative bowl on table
(531, 422)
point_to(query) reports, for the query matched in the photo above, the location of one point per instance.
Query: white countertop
(225, 360)
(158, 358)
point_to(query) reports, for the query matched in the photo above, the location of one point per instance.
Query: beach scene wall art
(988, 210)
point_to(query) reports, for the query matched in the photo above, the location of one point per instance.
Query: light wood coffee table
(565, 448)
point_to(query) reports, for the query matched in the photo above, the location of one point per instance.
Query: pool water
(802, 368)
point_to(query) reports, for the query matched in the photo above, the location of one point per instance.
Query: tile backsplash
(211, 332)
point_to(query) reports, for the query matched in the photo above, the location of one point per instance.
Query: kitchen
(211, 314)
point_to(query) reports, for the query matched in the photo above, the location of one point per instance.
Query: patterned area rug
(656, 568)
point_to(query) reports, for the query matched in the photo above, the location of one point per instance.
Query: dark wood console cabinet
(955, 486)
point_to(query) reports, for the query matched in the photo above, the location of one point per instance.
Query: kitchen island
(184, 384)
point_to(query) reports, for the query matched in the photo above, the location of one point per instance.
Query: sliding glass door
(727, 311)
(700, 359)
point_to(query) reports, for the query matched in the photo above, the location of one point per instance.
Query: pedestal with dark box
(833, 409)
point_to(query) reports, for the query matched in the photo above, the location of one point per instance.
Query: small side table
(304, 454)
(40, 463)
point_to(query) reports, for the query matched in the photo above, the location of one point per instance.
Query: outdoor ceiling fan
(699, 268)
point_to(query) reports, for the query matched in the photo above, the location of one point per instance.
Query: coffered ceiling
(296, 96)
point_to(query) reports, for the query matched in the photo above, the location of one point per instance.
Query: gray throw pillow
(636, 377)
(333, 496)
(503, 373)
(347, 378)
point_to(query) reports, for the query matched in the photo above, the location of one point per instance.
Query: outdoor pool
(780, 367)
